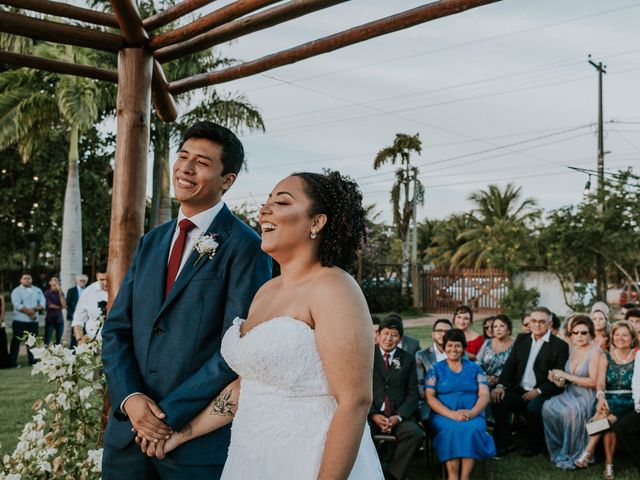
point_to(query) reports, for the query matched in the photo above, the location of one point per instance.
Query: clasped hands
(154, 436)
(558, 377)
(461, 415)
(385, 424)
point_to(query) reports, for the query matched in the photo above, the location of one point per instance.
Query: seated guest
(525, 323)
(426, 357)
(614, 395)
(633, 317)
(565, 415)
(395, 397)
(524, 386)
(457, 393)
(407, 343)
(463, 319)
(555, 324)
(625, 308)
(600, 317)
(627, 428)
(495, 351)
(487, 327)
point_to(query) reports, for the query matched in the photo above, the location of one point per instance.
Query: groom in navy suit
(161, 340)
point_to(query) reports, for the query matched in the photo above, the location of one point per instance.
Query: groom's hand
(146, 418)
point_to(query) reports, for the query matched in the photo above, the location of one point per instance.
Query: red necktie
(176, 254)
(388, 410)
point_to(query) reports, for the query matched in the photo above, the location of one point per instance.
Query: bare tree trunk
(156, 187)
(161, 199)
(71, 248)
(165, 194)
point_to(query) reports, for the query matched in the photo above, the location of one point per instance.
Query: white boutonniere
(206, 245)
(396, 364)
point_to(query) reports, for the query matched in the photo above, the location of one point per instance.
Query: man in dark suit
(72, 297)
(408, 344)
(523, 386)
(425, 358)
(395, 397)
(188, 280)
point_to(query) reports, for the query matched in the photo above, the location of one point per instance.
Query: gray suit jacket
(410, 345)
(425, 358)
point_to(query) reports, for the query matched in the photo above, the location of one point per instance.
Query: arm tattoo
(187, 431)
(222, 405)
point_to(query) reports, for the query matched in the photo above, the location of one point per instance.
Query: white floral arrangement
(206, 245)
(396, 364)
(62, 440)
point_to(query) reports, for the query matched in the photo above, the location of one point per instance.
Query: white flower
(206, 245)
(85, 392)
(31, 341)
(95, 457)
(396, 364)
(44, 466)
(14, 476)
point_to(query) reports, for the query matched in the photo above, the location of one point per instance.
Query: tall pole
(414, 246)
(601, 274)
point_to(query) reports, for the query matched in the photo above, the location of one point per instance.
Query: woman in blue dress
(457, 392)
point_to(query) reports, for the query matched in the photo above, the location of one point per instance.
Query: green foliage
(519, 300)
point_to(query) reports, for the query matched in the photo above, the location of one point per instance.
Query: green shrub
(519, 300)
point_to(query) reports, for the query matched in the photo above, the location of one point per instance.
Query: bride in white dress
(304, 355)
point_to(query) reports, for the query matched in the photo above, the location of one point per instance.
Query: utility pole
(601, 274)
(414, 246)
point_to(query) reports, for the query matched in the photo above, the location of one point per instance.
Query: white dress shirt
(202, 221)
(635, 383)
(529, 381)
(87, 311)
(23, 297)
(439, 355)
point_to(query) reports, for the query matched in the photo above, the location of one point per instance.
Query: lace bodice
(277, 356)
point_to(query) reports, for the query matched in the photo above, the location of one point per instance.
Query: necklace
(621, 361)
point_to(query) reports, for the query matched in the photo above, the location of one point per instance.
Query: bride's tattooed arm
(224, 404)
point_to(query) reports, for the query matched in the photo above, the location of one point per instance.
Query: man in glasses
(524, 386)
(426, 357)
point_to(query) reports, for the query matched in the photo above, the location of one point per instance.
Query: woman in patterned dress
(614, 396)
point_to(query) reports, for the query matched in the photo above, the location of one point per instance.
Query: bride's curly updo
(340, 199)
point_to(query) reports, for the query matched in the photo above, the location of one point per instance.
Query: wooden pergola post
(135, 70)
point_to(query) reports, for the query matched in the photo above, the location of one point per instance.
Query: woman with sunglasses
(614, 395)
(565, 415)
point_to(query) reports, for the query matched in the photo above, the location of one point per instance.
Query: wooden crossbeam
(57, 66)
(163, 102)
(161, 19)
(214, 19)
(358, 34)
(60, 9)
(37, 29)
(130, 22)
(243, 26)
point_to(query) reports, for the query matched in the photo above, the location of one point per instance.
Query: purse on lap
(596, 426)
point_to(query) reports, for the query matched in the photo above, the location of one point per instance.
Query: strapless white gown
(285, 408)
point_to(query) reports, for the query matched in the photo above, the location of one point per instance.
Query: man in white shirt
(523, 386)
(90, 307)
(627, 428)
(28, 301)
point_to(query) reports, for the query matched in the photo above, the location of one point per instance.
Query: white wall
(550, 290)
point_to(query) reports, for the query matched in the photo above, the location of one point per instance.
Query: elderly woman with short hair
(458, 394)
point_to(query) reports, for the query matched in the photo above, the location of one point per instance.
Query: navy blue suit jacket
(169, 349)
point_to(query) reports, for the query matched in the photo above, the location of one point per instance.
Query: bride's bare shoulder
(335, 280)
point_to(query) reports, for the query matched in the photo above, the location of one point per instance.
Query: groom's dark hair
(232, 149)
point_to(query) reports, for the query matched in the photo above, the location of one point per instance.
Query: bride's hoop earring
(313, 235)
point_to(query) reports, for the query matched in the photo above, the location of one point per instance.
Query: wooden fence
(482, 290)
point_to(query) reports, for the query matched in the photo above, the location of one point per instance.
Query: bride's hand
(171, 444)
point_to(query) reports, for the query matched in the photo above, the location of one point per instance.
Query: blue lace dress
(564, 417)
(618, 391)
(458, 391)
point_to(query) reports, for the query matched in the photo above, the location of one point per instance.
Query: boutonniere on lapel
(396, 364)
(206, 246)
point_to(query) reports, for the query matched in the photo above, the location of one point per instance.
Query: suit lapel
(526, 351)
(220, 226)
(157, 275)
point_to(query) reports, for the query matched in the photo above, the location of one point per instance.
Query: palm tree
(446, 239)
(402, 196)
(33, 102)
(499, 223)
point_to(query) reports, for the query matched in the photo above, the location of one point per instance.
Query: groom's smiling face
(197, 175)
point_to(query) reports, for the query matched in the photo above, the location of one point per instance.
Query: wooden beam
(358, 34)
(56, 32)
(243, 26)
(214, 19)
(57, 66)
(65, 10)
(130, 173)
(161, 19)
(163, 101)
(130, 22)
